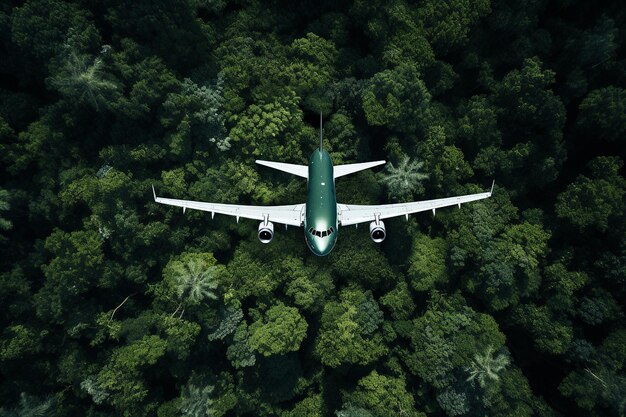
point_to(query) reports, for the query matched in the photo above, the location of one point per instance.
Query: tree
(399, 301)
(156, 26)
(40, 27)
(528, 106)
(230, 317)
(341, 136)
(311, 406)
(281, 330)
(562, 286)
(308, 290)
(98, 394)
(599, 307)
(478, 125)
(427, 264)
(510, 265)
(476, 225)
(190, 279)
(19, 341)
(269, 128)
(485, 368)
(256, 272)
(196, 111)
(147, 81)
(348, 334)
(195, 281)
(364, 264)
(604, 191)
(29, 406)
(446, 338)
(453, 403)
(197, 401)
(405, 181)
(239, 352)
(4, 206)
(548, 334)
(82, 79)
(121, 376)
(397, 98)
(448, 24)
(312, 68)
(381, 395)
(445, 164)
(603, 113)
(76, 266)
(598, 44)
(512, 394)
(601, 383)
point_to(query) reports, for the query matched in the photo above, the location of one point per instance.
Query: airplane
(321, 215)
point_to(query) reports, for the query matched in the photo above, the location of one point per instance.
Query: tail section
(299, 170)
(321, 134)
(341, 170)
(303, 170)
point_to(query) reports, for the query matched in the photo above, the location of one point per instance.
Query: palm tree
(30, 406)
(195, 281)
(197, 402)
(406, 179)
(83, 79)
(486, 367)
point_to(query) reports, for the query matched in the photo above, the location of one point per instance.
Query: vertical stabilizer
(321, 134)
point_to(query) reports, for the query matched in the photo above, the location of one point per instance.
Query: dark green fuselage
(321, 205)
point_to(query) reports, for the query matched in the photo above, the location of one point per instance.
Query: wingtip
(492, 184)
(154, 192)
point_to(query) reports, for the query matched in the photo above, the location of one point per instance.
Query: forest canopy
(113, 305)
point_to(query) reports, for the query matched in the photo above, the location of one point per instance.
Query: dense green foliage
(113, 305)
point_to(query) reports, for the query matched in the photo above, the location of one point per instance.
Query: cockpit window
(323, 233)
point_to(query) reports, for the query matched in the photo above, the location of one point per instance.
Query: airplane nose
(321, 246)
(325, 247)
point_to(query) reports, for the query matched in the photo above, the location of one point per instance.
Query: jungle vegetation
(112, 305)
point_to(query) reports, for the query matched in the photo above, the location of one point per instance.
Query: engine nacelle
(377, 231)
(266, 232)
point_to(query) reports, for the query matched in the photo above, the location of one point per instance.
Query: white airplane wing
(292, 215)
(353, 214)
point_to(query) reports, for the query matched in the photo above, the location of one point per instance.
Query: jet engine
(266, 232)
(377, 231)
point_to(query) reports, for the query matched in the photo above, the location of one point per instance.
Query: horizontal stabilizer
(299, 170)
(341, 170)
